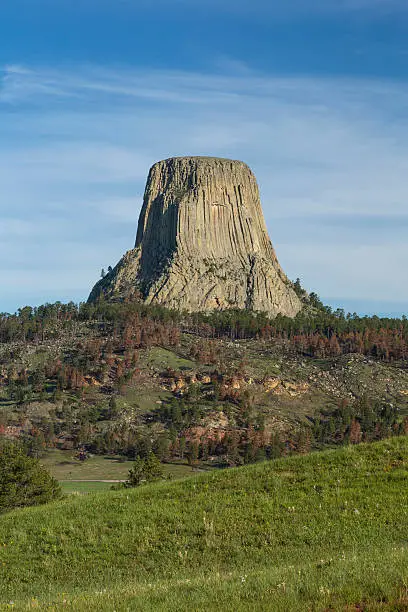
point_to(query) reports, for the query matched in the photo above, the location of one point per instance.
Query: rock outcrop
(202, 243)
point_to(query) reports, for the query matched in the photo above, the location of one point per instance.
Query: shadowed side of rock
(202, 243)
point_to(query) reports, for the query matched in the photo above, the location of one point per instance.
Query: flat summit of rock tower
(202, 243)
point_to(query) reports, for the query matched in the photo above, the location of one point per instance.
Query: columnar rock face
(202, 243)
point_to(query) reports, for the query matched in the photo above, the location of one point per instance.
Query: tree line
(317, 331)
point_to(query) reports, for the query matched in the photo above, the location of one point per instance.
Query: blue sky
(313, 95)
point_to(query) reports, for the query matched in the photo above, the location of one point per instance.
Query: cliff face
(202, 243)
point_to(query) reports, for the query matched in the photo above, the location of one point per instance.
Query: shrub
(145, 470)
(23, 480)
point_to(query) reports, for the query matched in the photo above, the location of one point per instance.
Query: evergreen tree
(145, 470)
(23, 480)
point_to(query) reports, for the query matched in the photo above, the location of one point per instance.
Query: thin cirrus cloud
(330, 155)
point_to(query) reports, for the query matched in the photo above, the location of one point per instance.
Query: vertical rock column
(202, 243)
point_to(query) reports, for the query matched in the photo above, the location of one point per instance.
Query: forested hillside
(221, 389)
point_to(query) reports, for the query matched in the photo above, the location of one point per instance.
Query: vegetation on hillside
(175, 391)
(327, 531)
(23, 480)
(227, 388)
(316, 331)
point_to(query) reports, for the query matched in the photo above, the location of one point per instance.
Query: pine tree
(145, 470)
(23, 480)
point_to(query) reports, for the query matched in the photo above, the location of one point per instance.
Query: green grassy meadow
(160, 358)
(63, 466)
(98, 472)
(326, 531)
(84, 486)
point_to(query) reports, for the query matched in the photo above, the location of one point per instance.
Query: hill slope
(325, 531)
(123, 379)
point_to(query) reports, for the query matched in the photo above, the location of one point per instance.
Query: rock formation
(202, 243)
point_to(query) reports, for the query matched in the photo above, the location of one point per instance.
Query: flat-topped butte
(202, 243)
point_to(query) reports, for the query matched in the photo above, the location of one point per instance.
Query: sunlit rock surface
(202, 243)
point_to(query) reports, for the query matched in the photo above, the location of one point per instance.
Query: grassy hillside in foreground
(327, 531)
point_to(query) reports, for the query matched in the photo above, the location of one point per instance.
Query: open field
(63, 466)
(89, 475)
(85, 486)
(326, 531)
(160, 358)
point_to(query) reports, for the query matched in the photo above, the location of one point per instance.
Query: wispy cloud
(331, 157)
